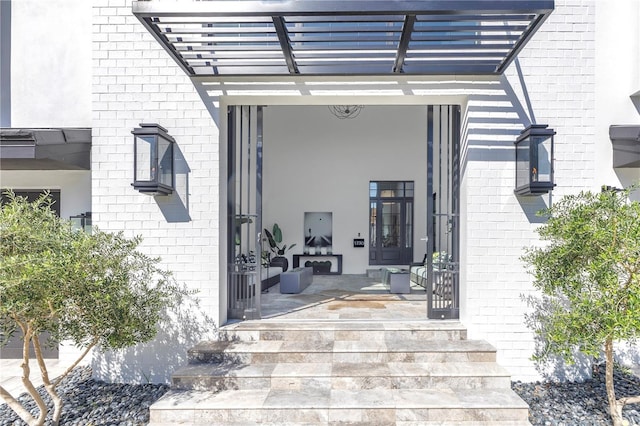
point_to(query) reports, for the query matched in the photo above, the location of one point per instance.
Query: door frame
(406, 253)
(225, 101)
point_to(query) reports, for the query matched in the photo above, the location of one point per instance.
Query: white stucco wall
(75, 198)
(315, 162)
(617, 66)
(50, 63)
(74, 186)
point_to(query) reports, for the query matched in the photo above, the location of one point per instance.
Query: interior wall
(315, 162)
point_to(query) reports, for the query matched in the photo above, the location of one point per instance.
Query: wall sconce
(534, 160)
(153, 160)
(81, 222)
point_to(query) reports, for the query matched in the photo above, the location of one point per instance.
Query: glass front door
(390, 223)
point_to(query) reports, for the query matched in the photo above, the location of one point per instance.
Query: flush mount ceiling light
(346, 111)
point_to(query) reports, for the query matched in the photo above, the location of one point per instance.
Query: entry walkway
(329, 297)
(11, 373)
(332, 297)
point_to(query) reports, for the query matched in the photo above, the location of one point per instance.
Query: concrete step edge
(446, 398)
(342, 324)
(322, 370)
(342, 346)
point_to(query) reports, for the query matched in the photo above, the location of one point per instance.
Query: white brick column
(555, 75)
(135, 81)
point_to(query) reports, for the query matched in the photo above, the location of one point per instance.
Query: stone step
(338, 406)
(276, 351)
(331, 372)
(348, 376)
(333, 330)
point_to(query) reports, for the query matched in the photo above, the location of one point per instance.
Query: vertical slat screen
(244, 211)
(443, 276)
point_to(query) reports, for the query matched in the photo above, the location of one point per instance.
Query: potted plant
(274, 237)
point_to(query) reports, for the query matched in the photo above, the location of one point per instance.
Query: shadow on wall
(154, 362)
(628, 354)
(494, 120)
(557, 370)
(553, 368)
(532, 205)
(175, 207)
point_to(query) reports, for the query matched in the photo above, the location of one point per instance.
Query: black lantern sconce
(153, 160)
(534, 160)
(81, 222)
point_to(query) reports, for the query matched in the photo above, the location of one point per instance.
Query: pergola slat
(343, 37)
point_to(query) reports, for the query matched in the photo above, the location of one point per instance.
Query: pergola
(343, 37)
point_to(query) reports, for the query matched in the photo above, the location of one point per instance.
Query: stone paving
(343, 351)
(11, 373)
(345, 297)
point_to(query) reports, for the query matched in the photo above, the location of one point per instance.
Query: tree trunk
(615, 410)
(26, 380)
(57, 404)
(49, 387)
(15, 405)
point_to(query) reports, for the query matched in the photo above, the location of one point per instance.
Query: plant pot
(281, 262)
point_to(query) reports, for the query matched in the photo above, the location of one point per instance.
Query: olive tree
(94, 290)
(588, 273)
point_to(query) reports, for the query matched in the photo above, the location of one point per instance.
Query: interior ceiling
(343, 37)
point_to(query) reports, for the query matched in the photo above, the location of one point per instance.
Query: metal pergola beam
(285, 43)
(343, 37)
(407, 29)
(213, 8)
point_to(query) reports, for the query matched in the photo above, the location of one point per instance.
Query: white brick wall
(134, 80)
(558, 72)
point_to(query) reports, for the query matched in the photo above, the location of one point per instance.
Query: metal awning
(45, 149)
(342, 37)
(626, 145)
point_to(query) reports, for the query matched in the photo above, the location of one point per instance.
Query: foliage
(440, 258)
(275, 239)
(90, 289)
(589, 277)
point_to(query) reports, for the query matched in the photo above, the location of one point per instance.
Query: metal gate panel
(443, 212)
(244, 211)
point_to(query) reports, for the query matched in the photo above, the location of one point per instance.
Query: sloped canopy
(45, 149)
(626, 145)
(342, 37)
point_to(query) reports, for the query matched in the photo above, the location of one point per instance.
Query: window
(33, 194)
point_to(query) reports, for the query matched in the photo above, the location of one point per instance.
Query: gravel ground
(584, 404)
(91, 402)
